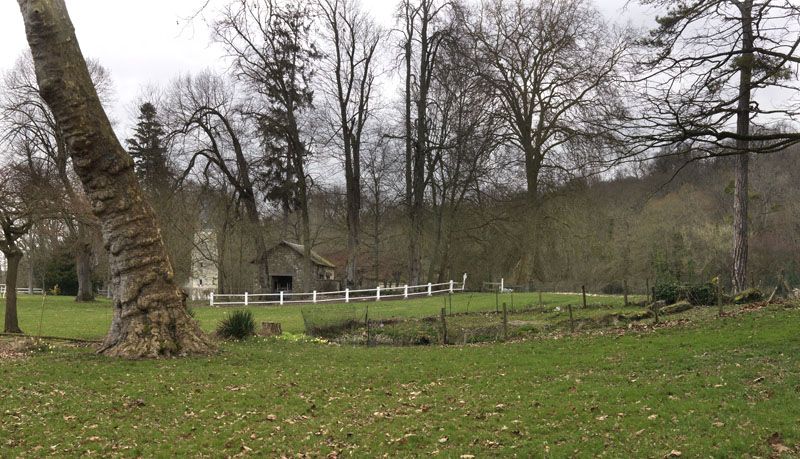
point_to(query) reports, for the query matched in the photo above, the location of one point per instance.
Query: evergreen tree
(149, 154)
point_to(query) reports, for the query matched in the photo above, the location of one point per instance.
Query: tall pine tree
(148, 152)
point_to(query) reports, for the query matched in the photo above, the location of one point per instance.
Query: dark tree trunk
(83, 267)
(11, 322)
(150, 316)
(740, 195)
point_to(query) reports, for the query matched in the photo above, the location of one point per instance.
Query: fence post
(430, 289)
(451, 286)
(211, 299)
(464, 282)
(347, 295)
(497, 301)
(281, 297)
(505, 322)
(405, 291)
(502, 284)
(444, 326)
(571, 320)
(583, 290)
(314, 297)
(378, 293)
(625, 290)
(247, 299)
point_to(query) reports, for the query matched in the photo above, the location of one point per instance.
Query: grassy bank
(717, 387)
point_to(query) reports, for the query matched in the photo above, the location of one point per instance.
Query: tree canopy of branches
(708, 63)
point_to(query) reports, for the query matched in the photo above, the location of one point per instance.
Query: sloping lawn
(717, 387)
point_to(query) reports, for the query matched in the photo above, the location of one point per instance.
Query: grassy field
(703, 387)
(61, 316)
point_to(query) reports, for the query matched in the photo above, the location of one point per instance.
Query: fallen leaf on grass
(652, 416)
(602, 418)
(271, 417)
(776, 442)
(443, 440)
(674, 453)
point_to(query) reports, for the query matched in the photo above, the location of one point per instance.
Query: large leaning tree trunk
(150, 316)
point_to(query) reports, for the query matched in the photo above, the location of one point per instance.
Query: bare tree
(424, 26)
(28, 120)
(700, 89)
(550, 64)
(353, 39)
(150, 315)
(272, 52)
(16, 219)
(208, 124)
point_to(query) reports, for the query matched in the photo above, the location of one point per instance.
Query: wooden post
(247, 301)
(450, 299)
(505, 323)
(451, 286)
(653, 294)
(347, 295)
(405, 291)
(625, 290)
(583, 290)
(314, 296)
(571, 321)
(444, 326)
(496, 302)
(719, 298)
(378, 293)
(656, 307)
(281, 299)
(430, 289)
(464, 282)
(502, 284)
(210, 299)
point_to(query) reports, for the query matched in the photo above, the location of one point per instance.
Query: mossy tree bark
(150, 316)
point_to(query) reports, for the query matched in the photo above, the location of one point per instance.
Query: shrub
(667, 292)
(749, 296)
(237, 325)
(701, 294)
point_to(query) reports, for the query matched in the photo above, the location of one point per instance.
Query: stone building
(204, 274)
(287, 263)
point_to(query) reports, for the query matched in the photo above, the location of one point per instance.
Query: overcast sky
(151, 41)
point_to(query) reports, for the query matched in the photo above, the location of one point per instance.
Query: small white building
(204, 278)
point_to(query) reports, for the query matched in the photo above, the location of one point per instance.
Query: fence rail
(340, 296)
(22, 290)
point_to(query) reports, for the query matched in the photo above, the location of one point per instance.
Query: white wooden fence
(22, 290)
(340, 296)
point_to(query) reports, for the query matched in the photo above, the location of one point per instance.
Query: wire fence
(340, 296)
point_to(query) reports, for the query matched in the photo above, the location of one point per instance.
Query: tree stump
(271, 329)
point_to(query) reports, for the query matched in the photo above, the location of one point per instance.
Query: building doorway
(281, 283)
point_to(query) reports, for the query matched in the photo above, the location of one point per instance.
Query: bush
(701, 294)
(749, 296)
(238, 325)
(667, 292)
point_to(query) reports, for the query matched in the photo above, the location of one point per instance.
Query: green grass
(716, 388)
(63, 317)
(708, 387)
